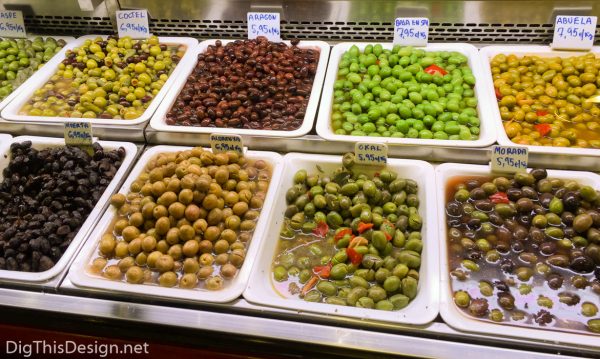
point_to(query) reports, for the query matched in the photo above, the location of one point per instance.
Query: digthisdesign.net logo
(102, 350)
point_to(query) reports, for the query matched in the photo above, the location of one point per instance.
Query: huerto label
(79, 134)
(223, 143)
(370, 153)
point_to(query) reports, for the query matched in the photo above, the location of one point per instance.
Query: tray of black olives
(520, 251)
(51, 195)
(186, 225)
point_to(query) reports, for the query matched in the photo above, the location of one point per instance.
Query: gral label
(509, 159)
(265, 24)
(411, 31)
(133, 23)
(12, 24)
(370, 153)
(574, 32)
(224, 143)
(79, 134)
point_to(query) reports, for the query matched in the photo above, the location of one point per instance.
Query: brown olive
(164, 263)
(135, 275)
(167, 279)
(214, 283)
(98, 265)
(113, 272)
(228, 270)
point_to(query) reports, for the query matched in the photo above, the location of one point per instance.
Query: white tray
(487, 135)
(487, 53)
(11, 112)
(4, 140)
(45, 142)
(423, 309)
(79, 276)
(452, 315)
(27, 84)
(158, 120)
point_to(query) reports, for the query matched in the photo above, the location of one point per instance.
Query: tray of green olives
(186, 225)
(351, 240)
(520, 255)
(103, 79)
(403, 95)
(60, 247)
(538, 98)
(28, 55)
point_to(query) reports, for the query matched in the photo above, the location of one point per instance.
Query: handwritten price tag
(265, 24)
(79, 134)
(574, 32)
(12, 24)
(370, 153)
(411, 31)
(223, 143)
(509, 159)
(133, 23)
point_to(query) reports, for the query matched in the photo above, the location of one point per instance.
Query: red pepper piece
(321, 230)
(388, 236)
(354, 256)
(377, 174)
(435, 69)
(498, 94)
(499, 197)
(542, 128)
(339, 235)
(323, 271)
(541, 112)
(364, 226)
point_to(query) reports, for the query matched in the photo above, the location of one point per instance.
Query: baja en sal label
(411, 31)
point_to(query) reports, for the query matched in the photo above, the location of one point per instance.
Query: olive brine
(186, 221)
(525, 250)
(350, 238)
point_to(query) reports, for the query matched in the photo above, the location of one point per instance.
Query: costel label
(12, 24)
(574, 32)
(370, 153)
(411, 31)
(509, 159)
(224, 143)
(265, 24)
(133, 23)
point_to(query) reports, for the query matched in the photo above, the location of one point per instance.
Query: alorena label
(265, 24)
(133, 23)
(370, 153)
(12, 24)
(574, 32)
(509, 159)
(223, 143)
(411, 31)
(79, 134)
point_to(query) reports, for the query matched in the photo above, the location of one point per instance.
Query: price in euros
(372, 158)
(405, 33)
(574, 33)
(505, 162)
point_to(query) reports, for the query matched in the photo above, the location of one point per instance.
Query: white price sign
(574, 32)
(510, 159)
(370, 153)
(79, 134)
(133, 23)
(223, 143)
(265, 24)
(411, 31)
(12, 24)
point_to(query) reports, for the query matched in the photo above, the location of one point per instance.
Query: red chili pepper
(364, 226)
(339, 235)
(354, 256)
(323, 271)
(377, 174)
(388, 236)
(542, 128)
(321, 230)
(541, 112)
(499, 197)
(435, 69)
(498, 94)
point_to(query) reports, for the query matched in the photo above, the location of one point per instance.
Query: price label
(509, 159)
(223, 143)
(12, 24)
(411, 31)
(133, 23)
(574, 32)
(265, 24)
(370, 153)
(79, 134)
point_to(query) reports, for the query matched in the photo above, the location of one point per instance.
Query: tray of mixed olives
(404, 95)
(540, 98)
(520, 251)
(351, 240)
(103, 79)
(186, 225)
(51, 196)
